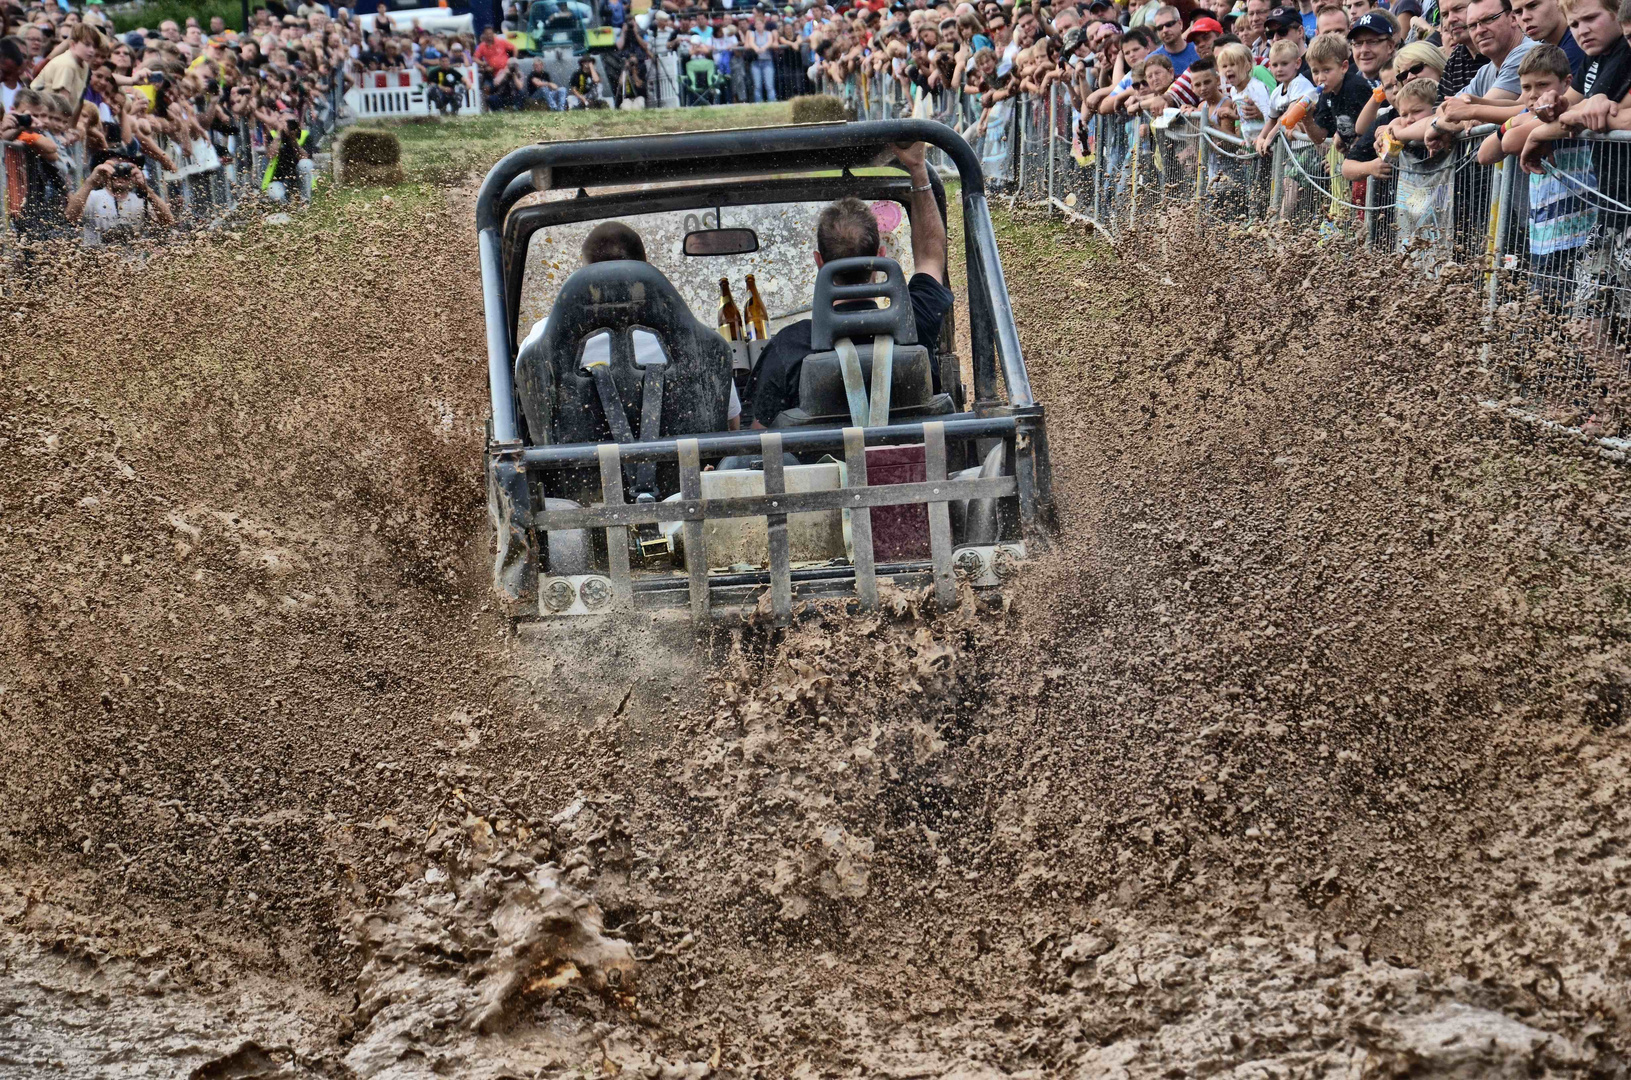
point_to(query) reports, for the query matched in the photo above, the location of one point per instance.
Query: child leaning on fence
(1293, 97)
(1603, 264)
(1206, 86)
(1248, 98)
(1343, 90)
(1425, 192)
(1344, 94)
(1560, 217)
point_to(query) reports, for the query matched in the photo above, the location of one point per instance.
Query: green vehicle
(558, 24)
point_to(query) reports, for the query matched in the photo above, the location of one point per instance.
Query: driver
(847, 230)
(606, 242)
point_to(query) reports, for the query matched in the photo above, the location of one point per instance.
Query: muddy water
(1301, 755)
(63, 1014)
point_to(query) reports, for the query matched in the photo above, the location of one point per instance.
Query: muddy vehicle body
(612, 483)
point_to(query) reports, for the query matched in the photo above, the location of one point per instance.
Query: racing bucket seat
(851, 339)
(621, 359)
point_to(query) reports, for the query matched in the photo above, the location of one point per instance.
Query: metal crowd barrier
(403, 93)
(869, 98)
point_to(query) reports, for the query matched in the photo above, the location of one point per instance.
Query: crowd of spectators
(97, 126)
(1354, 81)
(1358, 91)
(1349, 100)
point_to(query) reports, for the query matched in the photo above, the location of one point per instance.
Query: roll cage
(798, 163)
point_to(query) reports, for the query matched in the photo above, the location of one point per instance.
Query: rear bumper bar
(793, 440)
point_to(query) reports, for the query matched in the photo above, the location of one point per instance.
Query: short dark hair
(1140, 35)
(846, 230)
(613, 240)
(1205, 63)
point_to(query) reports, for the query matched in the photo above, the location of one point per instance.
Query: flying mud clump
(486, 931)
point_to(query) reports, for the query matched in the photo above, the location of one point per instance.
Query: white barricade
(402, 93)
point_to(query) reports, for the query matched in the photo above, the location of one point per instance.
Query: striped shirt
(1559, 218)
(1460, 68)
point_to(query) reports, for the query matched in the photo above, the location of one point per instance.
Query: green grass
(443, 150)
(153, 12)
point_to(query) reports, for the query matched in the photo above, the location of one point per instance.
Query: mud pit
(1302, 755)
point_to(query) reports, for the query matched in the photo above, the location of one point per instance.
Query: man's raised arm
(928, 230)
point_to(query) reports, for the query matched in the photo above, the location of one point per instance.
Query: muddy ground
(1301, 754)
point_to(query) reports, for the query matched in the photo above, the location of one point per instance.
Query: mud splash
(1303, 754)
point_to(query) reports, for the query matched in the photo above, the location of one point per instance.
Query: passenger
(846, 230)
(608, 242)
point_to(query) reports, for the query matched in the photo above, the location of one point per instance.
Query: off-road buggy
(613, 483)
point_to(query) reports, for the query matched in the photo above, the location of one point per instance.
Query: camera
(24, 120)
(123, 169)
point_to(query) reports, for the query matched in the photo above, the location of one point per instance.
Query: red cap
(1204, 25)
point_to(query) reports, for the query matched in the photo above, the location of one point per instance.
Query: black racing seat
(566, 400)
(849, 330)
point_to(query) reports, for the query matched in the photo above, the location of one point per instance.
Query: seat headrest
(616, 296)
(828, 324)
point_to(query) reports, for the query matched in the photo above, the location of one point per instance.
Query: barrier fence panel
(1562, 282)
(404, 93)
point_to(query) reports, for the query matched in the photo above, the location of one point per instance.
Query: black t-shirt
(1337, 112)
(1577, 57)
(1609, 72)
(440, 76)
(775, 385)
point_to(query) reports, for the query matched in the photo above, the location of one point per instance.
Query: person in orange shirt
(494, 51)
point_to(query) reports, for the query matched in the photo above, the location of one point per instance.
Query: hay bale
(818, 109)
(369, 175)
(364, 157)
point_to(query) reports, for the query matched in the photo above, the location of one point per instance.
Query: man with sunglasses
(1169, 28)
(1286, 24)
(1282, 24)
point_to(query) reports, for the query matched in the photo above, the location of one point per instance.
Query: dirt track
(1302, 755)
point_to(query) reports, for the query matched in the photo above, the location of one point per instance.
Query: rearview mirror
(722, 242)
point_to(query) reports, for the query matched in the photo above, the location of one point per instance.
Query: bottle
(758, 318)
(1293, 116)
(730, 319)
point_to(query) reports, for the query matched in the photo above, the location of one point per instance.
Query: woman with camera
(114, 203)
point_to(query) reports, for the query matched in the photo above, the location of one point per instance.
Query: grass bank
(443, 150)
